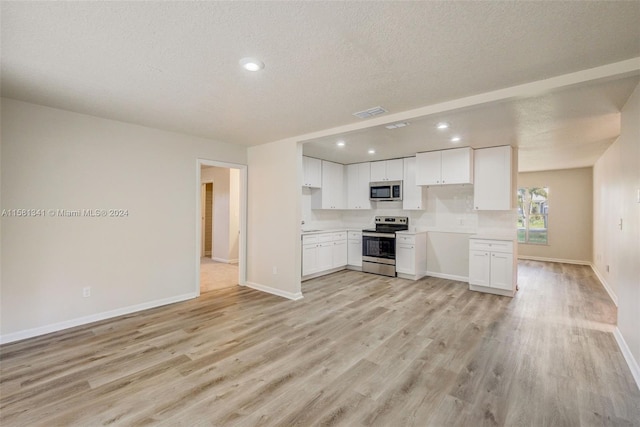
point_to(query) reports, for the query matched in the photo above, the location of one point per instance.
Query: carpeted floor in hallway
(217, 275)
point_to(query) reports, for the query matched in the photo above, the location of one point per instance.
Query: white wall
(616, 178)
(234, 215)
(221, 217)
(570, 232)
(275, 174)
(226, 211)
(54, 159)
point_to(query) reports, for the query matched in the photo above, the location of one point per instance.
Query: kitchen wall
(616, 181)
(449, 217)
(570, 227)
(449, 208)
(55, 159)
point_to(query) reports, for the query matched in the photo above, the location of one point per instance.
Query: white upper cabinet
(312, 172)
(457, 166)
(445, 167)
(358, 186)
(386, 170)
(493, 188)
(414, 195)
(333, 194)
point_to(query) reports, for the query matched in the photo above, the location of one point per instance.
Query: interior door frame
(242, 241)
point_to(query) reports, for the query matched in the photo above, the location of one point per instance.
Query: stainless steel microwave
(386, 191)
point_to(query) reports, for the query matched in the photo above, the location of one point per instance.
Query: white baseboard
(448, 276)
(224, 260)
(55, 327)
(268, 289)
(628, 356)
(606, 286)
(560, 260)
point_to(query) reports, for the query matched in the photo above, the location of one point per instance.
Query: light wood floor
(358, 350)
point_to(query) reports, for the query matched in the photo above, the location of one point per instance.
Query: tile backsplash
(448, 209)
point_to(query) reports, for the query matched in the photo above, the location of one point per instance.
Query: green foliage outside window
(533, 215)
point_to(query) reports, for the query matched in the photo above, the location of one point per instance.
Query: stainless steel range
(379, 245)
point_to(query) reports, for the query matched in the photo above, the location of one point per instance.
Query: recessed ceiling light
(340, 143)
(455, 139)
(251, 64)
(443, 125)
(372, 151)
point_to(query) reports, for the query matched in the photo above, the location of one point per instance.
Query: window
(533, 215)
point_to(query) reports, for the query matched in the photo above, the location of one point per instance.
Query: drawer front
(504, 246)
(403, 238)
(311, 238)
(355, 235)
(328, 237)
(339, 236)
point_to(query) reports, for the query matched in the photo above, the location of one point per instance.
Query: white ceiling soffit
(564, 128)
(174, 65)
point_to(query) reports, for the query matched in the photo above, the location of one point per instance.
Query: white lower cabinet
(325, 256)
(323, 252)
(411, 255)
(354, 249)
(309, 259)
(339, 253)
(492, 266)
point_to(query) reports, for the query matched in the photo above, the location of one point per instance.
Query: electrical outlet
(86, 291)
(275, 270)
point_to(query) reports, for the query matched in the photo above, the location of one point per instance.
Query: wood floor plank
(358, 350)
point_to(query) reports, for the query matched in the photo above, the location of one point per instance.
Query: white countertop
(411, 232)
(335, 230)
(331, 230)
(494, 236)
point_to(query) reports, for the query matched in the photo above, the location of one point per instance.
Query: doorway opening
(221, 225)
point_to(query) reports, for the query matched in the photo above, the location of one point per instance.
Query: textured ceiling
(566, 128)
(174, 65)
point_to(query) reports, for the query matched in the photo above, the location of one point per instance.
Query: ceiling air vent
(375, 111)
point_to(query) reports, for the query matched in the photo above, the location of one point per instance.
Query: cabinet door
(502, 270)
(428, 166)
(364, 177)
(312, 172)
(492, 179)
(325, 256)
(394, 169)
(354, 252)
(405, 259)
(412, 198)
(339, 253)
(333, 183)
(309, 259)
(479, 265)
(457, 166)
(353, 188)
(358, 186)
(378, 171)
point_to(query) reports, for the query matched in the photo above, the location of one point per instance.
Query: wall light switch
(620, 224)
(638, 196)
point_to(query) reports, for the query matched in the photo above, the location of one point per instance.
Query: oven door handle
(387, 235)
